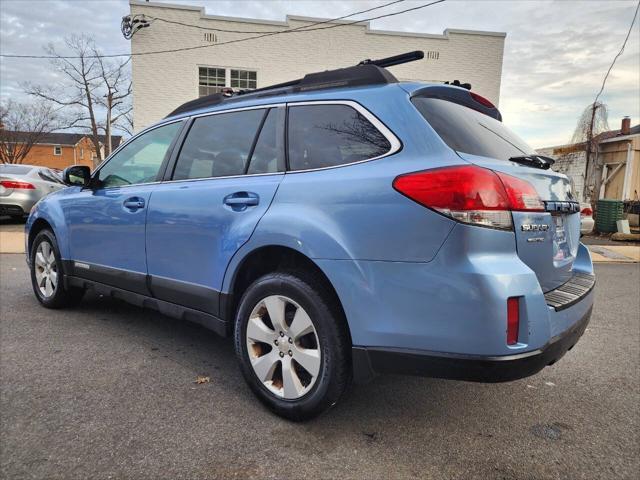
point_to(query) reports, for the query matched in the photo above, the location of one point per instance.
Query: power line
(199, 27)
(624, 44)
(139, 54)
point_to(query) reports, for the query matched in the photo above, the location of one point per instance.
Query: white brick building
(161, 82)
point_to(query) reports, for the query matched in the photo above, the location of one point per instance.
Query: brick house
(60, 150)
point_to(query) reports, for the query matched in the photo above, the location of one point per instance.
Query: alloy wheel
(46, 269)
(283, 347)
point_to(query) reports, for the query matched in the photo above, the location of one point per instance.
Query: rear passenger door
(221, 183)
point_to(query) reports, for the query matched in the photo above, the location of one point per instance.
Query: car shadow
(4, 220)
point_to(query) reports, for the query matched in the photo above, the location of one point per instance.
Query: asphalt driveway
(107, 391)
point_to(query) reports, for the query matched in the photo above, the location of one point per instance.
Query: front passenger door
(107, 221)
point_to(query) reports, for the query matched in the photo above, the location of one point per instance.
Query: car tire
(324, 349)
(47, 276)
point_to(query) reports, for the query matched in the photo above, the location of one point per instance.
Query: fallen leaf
(200, 379)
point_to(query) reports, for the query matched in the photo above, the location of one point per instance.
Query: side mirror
(79, 175)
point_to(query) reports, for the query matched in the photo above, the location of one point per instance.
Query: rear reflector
(470, 194)
(16, 184)
(513, 320)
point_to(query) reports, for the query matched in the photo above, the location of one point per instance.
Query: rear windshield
(50, 175)
(468, 131)
(14, 169)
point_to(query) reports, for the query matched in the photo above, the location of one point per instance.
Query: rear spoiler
(460, 94)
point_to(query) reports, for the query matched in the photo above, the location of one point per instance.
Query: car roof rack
(367, 72)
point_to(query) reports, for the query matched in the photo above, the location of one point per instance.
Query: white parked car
(21, 186)
(586, 219)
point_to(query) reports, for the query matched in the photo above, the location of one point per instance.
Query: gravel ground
(107, 391)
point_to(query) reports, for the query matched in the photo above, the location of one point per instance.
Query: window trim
(165, 162)
(178, 142)
(394, 141)
(396, 144)
(55, 149)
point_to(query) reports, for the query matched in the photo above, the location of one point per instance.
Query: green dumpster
(607, 213)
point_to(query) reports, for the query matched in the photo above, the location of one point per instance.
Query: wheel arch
(266, 259)
(38, 225)
(48, 214)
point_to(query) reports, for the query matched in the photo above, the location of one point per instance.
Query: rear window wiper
(535, 161)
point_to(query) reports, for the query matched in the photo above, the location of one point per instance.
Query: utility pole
(108, 126)
(590, 166)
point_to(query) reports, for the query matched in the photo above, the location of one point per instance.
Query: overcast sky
(556, 52)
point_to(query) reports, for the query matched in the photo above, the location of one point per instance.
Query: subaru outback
(337, 227)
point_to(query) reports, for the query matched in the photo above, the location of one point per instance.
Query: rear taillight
(470, 194)
(16, 184)
(586, 212)
(513, 320)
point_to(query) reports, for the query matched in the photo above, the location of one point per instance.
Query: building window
(243, 79)
(82, 153)
(211, 80)
(57, 150)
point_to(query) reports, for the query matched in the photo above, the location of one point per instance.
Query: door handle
(133, 203)
(241, 200)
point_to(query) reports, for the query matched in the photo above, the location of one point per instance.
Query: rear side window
(218, 145)
(468, 131)
(329, 135)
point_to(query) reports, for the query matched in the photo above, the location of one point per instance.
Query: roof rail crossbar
(367, 72)
(396, 59)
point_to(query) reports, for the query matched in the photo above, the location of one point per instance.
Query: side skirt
(210, 322)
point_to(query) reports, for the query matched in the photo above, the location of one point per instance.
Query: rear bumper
(12, 210)
(19, 202)
(368, 362)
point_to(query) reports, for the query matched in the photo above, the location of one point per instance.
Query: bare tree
(95, 92)
(592, 123)
(22, 125)
(117, 85)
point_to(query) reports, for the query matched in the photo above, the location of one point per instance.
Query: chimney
(625, 129)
